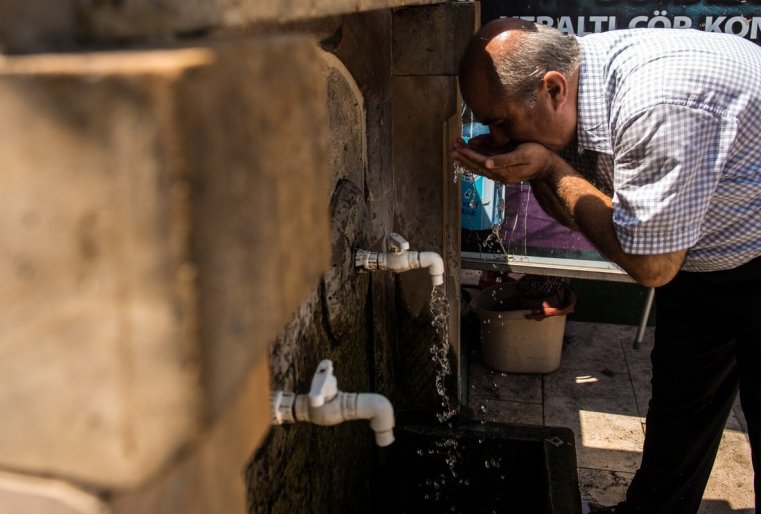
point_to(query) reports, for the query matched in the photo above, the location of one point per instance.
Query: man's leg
(750, 398)
(748, 306)
(693, 388)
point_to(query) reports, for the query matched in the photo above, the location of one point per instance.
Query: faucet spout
(435, 265)
(378, 410)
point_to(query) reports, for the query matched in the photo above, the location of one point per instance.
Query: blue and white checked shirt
(675, 119)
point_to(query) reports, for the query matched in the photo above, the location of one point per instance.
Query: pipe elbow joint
(435, 265)
(378, 410)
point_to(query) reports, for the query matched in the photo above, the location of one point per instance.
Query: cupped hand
(509, 165)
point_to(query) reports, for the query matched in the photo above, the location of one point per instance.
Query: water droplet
(459, 171)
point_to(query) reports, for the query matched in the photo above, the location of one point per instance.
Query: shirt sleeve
(667, 163)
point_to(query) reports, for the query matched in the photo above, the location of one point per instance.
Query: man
(649, 142)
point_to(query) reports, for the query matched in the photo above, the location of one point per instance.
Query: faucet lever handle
(324, 384)
(397, 243)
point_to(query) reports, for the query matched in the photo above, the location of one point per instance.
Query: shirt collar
(592, 120)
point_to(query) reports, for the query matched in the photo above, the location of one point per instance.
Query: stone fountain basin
(479, 468)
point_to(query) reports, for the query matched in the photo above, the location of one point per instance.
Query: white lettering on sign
(737, 25)
(743, 26)
(660, 20)
(578, 25)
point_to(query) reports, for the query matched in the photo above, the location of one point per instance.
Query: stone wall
(306, 468)
(376, 328)
(184, 186)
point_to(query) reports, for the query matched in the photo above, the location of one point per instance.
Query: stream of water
(448, 448)
(439, 306)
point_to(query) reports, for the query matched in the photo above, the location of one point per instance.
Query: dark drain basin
(479, 468)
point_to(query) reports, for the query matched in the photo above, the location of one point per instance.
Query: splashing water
(494, 243)
(459, 171)
(442, 489)
(439, 350)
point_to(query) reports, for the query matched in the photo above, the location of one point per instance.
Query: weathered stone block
(209, 479)
(163, 214)
(258, 165)
(36, 495)
(130, 17)
(429, 40)
(37, 25)
(422, 105)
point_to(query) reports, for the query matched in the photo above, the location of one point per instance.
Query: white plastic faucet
(327, 406)
(401, 259)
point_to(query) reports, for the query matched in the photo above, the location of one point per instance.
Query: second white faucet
(400, 259)
(327, 406)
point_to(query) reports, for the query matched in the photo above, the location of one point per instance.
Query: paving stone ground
(601, 391)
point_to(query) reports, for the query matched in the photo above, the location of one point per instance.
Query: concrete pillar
(164, 212)
(427, 44)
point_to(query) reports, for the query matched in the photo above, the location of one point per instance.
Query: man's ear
(556, 87)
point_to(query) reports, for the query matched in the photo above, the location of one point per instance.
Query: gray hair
(537, 52)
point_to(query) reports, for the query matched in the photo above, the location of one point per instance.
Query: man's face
(513, 122)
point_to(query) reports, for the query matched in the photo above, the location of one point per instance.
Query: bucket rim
(536, 313)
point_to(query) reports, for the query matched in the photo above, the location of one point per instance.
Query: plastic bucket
(515, 339)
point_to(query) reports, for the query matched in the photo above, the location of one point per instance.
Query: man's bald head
(478, 61)
(510, 56)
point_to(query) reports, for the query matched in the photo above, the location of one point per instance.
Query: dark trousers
(707, 346)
